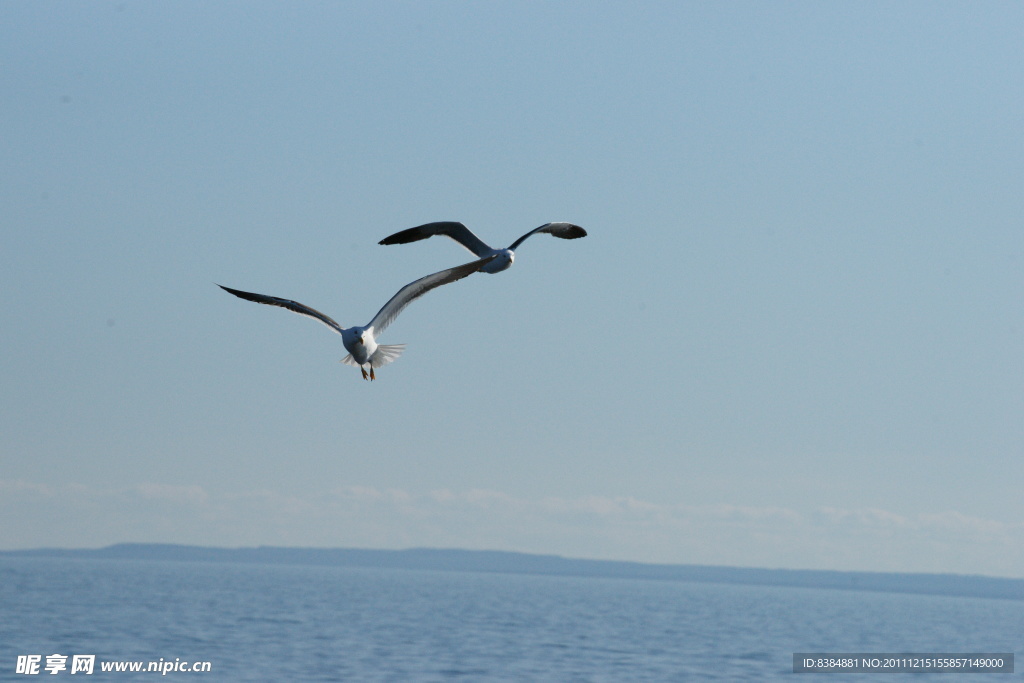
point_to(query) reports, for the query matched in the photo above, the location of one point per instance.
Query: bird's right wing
(567, 231)
(293, 306)
(414, 290)
(453, 229)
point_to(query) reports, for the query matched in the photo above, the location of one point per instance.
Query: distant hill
(553, 565)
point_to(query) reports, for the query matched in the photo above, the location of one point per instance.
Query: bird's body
(503, 258)
(361, 342)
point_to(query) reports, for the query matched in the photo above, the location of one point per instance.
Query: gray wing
(414, 290)
(293, 306)
(567, 231)
(453, 229)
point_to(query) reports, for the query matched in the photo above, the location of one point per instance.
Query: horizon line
(525, 563)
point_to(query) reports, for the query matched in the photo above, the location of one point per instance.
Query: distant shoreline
(492, 561)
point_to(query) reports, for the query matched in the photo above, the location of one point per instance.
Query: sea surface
(256, 622)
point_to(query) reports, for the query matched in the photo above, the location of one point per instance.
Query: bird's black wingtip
(406, 236)
(237, 292)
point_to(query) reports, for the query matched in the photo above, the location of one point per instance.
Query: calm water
(277, 623)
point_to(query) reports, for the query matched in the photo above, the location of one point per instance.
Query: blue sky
(792, 338)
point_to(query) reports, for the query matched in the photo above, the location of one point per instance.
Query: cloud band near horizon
(595, 527)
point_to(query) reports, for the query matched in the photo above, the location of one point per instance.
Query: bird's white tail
(385, 353)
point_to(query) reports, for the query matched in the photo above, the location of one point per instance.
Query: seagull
(464, 236)
(361, 342)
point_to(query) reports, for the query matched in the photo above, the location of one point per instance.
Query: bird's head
(354, 336)
(503, 260)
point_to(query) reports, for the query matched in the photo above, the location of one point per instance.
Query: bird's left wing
(567, 231)
(414, 290)
(293, 306)
(453, 229)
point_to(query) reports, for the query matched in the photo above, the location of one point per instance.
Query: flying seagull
(361, 342)
(464, 236)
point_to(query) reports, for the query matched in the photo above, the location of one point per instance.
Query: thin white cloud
(189, 495)
(593, 526)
